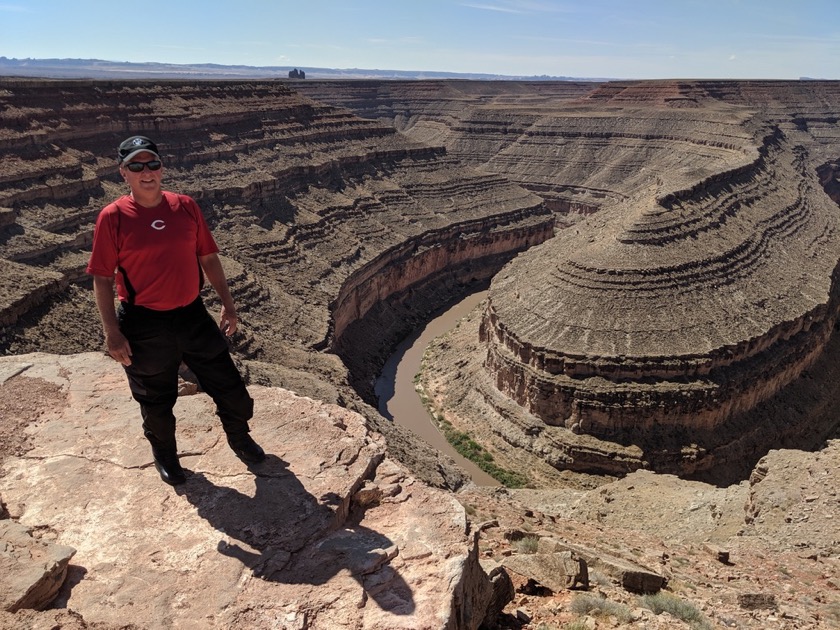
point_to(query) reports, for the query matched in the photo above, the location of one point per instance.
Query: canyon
(691, 280)
(692, 268)
(660, 258)
(339, 234)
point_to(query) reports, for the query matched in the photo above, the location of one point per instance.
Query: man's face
(147, 181)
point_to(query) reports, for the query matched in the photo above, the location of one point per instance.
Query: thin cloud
(519, 6)
(567, 40)
(532, 6)
(491, 7)
(401, 40)
(14, 8)
(795, 39)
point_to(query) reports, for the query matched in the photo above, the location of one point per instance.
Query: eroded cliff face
(672, 316)
(701, 285)
(328, 225)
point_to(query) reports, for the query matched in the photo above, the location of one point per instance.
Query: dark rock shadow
(293, 537)
(75, 574)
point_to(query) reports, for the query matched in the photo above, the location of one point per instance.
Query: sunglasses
(137, 167)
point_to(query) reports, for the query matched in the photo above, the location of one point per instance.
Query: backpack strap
(128, 286)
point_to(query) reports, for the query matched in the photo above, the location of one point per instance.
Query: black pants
(159, 341)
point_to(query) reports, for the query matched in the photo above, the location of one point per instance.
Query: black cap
(134, 145)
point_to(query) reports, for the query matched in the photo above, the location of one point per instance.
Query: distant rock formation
(297, 74)
(663, 320)
(659, 322)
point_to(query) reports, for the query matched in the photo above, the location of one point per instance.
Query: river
(399, 401)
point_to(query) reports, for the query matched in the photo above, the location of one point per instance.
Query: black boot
(168, 466)
(245, 448)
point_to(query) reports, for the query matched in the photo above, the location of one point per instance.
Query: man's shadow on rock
(290, 536)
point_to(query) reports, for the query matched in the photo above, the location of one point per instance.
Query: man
(157, 248)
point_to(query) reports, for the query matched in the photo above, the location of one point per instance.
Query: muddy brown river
(398, 400)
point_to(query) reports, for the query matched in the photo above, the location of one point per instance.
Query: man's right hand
(118, 347)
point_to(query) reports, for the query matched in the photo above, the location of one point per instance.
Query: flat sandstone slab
(279, 545)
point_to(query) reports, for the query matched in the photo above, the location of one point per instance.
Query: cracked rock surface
(282, 544)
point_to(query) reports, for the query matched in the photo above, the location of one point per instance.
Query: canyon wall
(675, 315)
(693, 277)
(325, 213)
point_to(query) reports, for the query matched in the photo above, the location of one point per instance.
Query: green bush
(463, 442)
(676, 607)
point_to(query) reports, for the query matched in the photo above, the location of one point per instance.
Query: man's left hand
(228, 321)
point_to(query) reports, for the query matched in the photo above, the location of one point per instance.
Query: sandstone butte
(662, 257)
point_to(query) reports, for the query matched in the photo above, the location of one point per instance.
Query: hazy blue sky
(783, 39)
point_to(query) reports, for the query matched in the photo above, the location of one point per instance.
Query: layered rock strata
(312, 200)
(329, 223)
(701, 284)
(342, 234)
(663, 320)
(578, 145)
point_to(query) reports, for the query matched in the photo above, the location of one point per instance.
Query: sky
(623, 39)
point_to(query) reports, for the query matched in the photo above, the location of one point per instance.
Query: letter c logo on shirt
(158, 224)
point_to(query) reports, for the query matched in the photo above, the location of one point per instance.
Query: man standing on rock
(156, 247)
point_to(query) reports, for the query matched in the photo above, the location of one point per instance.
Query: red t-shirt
(152, 251)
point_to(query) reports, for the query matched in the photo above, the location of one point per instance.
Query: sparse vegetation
(673, 605)
(833, 611)
(680, 561)
(596, 577)
(592, 605)
(527, 544)
(576, 625)
(462, 442)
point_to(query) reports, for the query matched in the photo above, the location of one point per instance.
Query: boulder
(557, 571)
(31, 570)
(632, 577)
